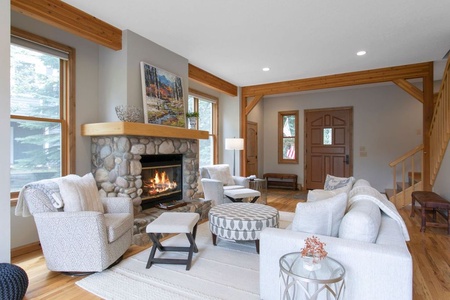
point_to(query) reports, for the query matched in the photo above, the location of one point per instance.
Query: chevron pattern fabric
(241, 221)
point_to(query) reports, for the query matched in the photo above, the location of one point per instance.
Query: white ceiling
(235, 39)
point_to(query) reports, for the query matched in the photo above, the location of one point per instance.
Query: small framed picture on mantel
(162, 94)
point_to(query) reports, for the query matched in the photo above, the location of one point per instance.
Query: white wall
(386, 121)
(5, 226)
(23, 230)
(120, 75)
(442, 184)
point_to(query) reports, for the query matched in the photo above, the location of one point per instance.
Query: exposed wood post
(428, 109)
(252, 104)
(243, 165)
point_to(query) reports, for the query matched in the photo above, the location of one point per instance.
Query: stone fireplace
(117, 165)
(120, 151)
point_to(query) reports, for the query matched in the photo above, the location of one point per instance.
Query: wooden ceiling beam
(339, 80)
(212, 81)
(253, 103)
(69, 18)
(409, 88)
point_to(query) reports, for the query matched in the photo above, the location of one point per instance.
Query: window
(288, 137)
(206, 106)
(41, 89)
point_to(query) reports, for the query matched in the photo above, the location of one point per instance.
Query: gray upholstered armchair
(216, 179)
(78, 230)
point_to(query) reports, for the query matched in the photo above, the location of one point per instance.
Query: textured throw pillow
(333, 182)
(80, 193)
(320, 217)
(361, 222)
(222, 173)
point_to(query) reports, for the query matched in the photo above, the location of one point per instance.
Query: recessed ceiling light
(266, 69)
(361, 53)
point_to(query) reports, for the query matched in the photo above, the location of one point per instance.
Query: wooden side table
(430, 201)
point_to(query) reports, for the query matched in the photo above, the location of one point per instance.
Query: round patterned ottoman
(13, 282)
(241, 221)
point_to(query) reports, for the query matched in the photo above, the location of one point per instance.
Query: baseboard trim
(25, 249)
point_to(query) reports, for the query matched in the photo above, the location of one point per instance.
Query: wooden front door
(328, 145)
(252, 149)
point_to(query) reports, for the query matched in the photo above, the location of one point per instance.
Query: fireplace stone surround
(117, 170)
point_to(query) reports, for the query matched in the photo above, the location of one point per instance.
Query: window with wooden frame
(206, 106)
(288, 137)
(42, 105)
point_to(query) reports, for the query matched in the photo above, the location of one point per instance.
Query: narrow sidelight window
(288, 137)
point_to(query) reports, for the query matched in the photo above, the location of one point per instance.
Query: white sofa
(374, 270)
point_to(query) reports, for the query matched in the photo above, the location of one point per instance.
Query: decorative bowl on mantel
(128, 113)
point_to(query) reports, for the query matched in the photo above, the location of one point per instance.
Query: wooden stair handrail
(406, 155)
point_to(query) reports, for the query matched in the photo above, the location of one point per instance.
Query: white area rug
(229, 270)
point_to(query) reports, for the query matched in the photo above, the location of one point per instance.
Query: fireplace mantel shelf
(141, 129)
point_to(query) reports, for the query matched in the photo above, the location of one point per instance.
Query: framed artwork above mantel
(162, 94)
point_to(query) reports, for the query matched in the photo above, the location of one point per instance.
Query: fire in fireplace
(161, 178)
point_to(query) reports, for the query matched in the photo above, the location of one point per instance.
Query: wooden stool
(173, 222)
(430, 201)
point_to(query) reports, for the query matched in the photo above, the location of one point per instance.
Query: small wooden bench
(277, 180)
(430, 201)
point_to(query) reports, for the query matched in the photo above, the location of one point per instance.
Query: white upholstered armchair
(216, 179)
(78, 230)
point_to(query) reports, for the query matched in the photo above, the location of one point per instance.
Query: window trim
(282, 114)
(67, 120)
(215, 118)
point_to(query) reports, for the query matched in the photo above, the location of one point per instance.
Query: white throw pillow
(318, 194)
(361, 182)
(333, 182)
(80, 193)
(361, 222)
(222, 173)
(320, 217)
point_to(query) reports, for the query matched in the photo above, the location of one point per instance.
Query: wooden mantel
(141, 129)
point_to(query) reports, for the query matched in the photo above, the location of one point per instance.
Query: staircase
(408, 168)
(412, 162)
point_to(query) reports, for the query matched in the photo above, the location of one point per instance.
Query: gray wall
(5, 225)
(120, 77)
(386, 121)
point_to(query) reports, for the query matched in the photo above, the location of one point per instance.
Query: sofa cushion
(320, 217)
(361, 222)
(361, 182)
(80, 193)
(318, 194)
(333, 182)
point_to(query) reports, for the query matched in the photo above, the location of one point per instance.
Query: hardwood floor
(430, 252)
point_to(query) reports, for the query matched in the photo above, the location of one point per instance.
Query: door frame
(350, 108)
(256, 147)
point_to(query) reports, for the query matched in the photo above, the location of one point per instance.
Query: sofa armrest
(239, 180)
(113, 205)
(372, 271)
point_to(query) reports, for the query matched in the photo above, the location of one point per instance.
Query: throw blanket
(48, 187)
(369, 193)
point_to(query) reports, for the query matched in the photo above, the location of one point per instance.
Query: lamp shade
(234, 144)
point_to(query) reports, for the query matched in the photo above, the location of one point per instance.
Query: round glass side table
(298, 282)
